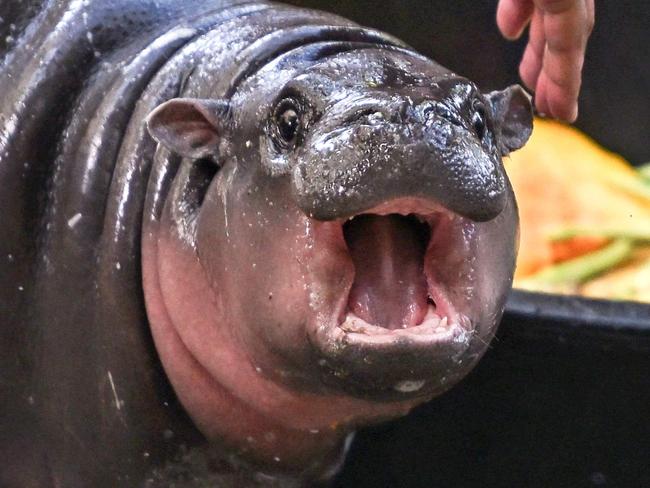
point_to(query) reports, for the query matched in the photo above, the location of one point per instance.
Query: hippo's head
(336, 246)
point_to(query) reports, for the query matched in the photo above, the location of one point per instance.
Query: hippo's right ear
(513, 116)
(190, 127)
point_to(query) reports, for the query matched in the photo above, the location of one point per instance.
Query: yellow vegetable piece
(563, 179)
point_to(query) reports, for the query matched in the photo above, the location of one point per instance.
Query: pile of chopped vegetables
(585, 217)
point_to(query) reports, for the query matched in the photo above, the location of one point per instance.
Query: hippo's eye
(287, 120)
(479, 119)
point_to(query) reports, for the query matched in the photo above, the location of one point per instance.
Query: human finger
(531, 62)
(513, 16)
(566, 32)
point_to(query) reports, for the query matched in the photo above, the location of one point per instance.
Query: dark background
(562, 398)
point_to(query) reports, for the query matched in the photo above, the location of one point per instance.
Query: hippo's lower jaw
(432, 330)
(406, 302)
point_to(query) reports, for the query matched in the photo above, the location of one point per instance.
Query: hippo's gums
(232, 232)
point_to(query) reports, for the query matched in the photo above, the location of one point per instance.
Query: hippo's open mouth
(396, 292)
(402, 254)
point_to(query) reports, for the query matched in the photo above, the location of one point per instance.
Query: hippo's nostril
(442, 110)
(479, 119)
(425, 111)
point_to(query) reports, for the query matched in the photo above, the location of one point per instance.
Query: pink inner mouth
(390, 288)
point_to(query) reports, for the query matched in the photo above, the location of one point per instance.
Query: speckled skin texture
(169, 319)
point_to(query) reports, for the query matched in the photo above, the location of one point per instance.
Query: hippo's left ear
(190, 127)
(513, 117)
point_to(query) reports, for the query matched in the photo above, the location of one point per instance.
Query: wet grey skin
(233, 232)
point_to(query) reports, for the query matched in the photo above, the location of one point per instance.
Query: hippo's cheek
(257, 259)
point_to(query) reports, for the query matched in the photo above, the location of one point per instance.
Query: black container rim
(575, 319)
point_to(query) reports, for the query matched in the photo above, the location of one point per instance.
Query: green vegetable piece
(639, 233)
(581, 269)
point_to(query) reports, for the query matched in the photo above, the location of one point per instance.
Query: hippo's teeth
(432, 326)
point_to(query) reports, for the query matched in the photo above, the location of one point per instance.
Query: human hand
(552, 62)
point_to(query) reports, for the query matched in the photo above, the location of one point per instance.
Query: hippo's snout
(374, 151)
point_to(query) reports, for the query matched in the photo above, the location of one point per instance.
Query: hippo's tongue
(389, 288)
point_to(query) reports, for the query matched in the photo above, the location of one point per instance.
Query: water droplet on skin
(408, 386)
(74, 220)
